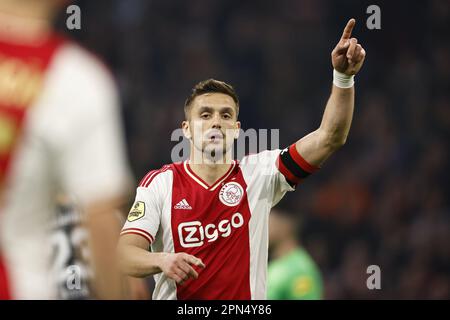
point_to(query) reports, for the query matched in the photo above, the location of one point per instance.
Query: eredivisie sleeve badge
(137, 211)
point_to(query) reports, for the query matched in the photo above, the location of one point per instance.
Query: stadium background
(383, 198)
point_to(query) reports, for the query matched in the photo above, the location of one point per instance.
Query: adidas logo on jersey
(183, 204)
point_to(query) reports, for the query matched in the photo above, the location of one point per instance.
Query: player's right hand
(348, 55)
(178, 266)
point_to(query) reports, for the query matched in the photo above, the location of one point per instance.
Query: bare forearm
(338, 116)
(320, 144)
(103, 230)
(138, 262)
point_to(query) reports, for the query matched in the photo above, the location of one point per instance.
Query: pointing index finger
(348, 29)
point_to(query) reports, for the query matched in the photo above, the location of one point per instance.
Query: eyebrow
(210, 109)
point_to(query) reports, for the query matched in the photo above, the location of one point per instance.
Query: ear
(237, 131)
(186, 131)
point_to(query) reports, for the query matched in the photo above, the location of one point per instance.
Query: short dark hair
(211, 86)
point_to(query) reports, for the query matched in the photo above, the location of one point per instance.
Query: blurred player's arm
(103, 225)
(135, 260)
(104, 221)
(91, 163)
(347, 59)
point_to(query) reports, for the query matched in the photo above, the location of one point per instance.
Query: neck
(285, 247)
(21, 25)
(208, 169)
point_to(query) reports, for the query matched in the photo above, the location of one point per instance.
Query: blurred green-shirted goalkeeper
(292, 274)
(294, 277)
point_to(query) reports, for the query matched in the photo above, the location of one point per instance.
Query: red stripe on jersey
(136, 231)
(302, 163)
(152, 175)
(286, 172)
(4, 288)
(146, 177)
(216, 233)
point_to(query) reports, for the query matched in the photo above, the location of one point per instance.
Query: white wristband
(341, 80)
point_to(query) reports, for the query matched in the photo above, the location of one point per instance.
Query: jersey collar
(201, 182)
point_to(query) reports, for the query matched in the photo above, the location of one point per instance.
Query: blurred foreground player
(292, 274)
(206, 219)
(59, 132)
(70, 253)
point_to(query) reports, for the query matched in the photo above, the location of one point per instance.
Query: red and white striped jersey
(59, 132)
(224, 224)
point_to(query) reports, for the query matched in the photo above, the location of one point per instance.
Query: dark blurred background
(383, 198)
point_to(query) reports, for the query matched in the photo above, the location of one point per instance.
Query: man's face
(213, 125)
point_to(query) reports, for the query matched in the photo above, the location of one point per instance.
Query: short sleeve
(144, 217)
(291, 169)
(260, 171)
(88, 140)
(279, 170)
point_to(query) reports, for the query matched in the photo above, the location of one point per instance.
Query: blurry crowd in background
(383, 198)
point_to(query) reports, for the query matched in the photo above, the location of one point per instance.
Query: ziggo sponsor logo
(193, 233)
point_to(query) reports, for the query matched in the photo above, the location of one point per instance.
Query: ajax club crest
(231, 194)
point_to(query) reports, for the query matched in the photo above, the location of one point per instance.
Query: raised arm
(347, 59)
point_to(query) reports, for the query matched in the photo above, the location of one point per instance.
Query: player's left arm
(347, 58)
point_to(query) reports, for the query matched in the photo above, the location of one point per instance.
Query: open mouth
(214, 136)
(215, 140)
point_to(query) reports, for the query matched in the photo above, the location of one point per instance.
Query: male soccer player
(59, 132)
(207, 221)
(292, 273)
